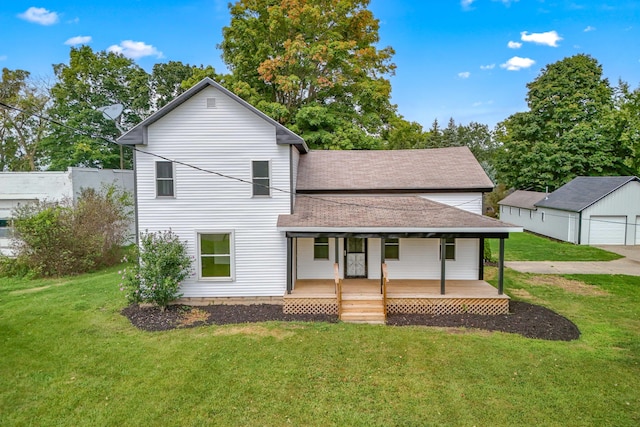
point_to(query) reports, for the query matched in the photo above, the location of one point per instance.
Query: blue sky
(466, 59)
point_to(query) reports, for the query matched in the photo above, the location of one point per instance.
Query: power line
(222, 175)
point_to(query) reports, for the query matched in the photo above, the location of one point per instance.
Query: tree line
(315, 66)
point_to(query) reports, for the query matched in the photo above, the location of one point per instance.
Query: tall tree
(22, 129)
(314, 66)
(564, 134)
(625, 123)
(170, 79)
(92, 80)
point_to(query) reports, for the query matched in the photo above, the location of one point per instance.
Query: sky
(469, 60)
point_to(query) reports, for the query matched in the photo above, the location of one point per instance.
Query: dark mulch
(531, 321)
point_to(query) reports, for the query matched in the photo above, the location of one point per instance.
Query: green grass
(529, 247)
(69, 358)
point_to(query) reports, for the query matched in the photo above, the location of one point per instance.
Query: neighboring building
(596, 210)
(19, 188)
(264, 216)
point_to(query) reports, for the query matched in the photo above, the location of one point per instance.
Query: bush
(61, 238)
(488, 256)
(163, 263)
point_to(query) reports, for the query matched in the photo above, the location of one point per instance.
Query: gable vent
(211, 103)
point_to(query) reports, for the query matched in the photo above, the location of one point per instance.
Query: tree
(565, 133)
(22, 131)
(168, 80)
(625, 123)
(92, 80)
(298, 59)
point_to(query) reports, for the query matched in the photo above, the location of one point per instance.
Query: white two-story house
(267, 219)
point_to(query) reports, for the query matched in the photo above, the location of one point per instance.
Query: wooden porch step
(372, 318)
(362, 309)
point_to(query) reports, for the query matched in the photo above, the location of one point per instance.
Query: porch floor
(397, 288)
(403, 296)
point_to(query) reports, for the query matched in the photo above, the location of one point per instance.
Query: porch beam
(425, 235)
(443, 262)
(501, 269)
(289, 265)
(481, 260)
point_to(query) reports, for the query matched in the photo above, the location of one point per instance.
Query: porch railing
(338, 285)
(385, 280)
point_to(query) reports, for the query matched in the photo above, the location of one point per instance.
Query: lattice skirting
(487, 306)
(310, 306)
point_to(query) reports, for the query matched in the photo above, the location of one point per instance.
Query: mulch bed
(529, 320)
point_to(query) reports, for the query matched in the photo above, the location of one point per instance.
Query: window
(215, 255)
(391, 248)
(530, 214)
(261, 180)
(321, 248)
(449, 249)
(542, 216)
(5, 228)
(164, 179)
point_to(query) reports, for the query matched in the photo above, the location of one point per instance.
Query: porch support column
(289, 264)
(337, 251)
(443, 259)
(381, 262)
(501, 268)
(481, 260)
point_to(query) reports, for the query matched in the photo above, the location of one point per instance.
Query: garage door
(638, 230)
(607, 230)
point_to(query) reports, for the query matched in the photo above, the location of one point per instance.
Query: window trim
(173, 179)
(253, 178)
(317, 244)
(388, 243)
(232, 257)
(447, 243)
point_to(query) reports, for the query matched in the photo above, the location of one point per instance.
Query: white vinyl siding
(470, 202)
(638, 230)
(224, 139)
(607, 230)
(625, 201)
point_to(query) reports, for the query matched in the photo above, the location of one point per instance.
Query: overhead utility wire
(222, 175)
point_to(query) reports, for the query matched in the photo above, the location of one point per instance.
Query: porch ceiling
(403, 216)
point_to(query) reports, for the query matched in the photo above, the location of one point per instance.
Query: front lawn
(69, 358)
(529, 247)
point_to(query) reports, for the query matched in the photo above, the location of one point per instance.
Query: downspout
(579, 227)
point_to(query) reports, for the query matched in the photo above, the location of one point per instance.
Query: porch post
(501, 268)
(443, 259)
(337, 251)
(481, 260)
(381, 262)
(289, 264)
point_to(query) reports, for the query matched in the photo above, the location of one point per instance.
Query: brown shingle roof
(523, 199)
(453, 168)
(383, 212)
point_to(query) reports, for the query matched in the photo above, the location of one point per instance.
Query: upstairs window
(260, 177)
(391, 249)
(449, 249)
(164, 179)
(321, 248)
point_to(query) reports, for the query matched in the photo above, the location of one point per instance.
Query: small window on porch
(391, 249)
(321, 248)
(449, 249)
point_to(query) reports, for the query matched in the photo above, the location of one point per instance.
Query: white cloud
(466, 4)
(488, 67)
(74, 41)
(134, 50)
(514, 45)
(589, 28)
(39, 15)
(464, 75)
(516, 63)
(550, 38)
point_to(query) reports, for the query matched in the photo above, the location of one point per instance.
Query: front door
(356, 255)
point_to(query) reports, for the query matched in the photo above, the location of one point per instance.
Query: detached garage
(595, 210)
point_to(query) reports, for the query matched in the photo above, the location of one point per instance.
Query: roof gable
(584, 191)
(138, 134)
(421, 170)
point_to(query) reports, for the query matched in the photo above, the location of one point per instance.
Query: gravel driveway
(630, 265)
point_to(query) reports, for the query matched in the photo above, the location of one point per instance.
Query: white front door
(356, 257)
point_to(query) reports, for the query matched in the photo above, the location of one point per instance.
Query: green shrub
(163, 263)
(488, 256)
(61, 238)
